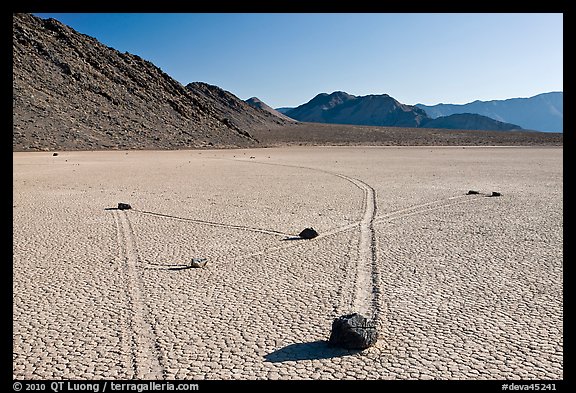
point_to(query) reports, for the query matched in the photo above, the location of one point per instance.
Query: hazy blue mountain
(468, 121)
(543, 112)
(284, 109)
(343, 108)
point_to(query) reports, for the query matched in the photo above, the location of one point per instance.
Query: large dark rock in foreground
(353, 331)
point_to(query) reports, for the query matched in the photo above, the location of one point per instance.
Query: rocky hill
(257, 103)
(72, 92)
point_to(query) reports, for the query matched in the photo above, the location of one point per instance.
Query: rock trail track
(363, 280)
(144, 346)
(216, 224)
(366, 280)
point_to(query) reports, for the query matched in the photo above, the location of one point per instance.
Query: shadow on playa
(307, 351)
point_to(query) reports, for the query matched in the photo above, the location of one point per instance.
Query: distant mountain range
(284, 109)
(543, 112)
(382, 110)
(71, 92)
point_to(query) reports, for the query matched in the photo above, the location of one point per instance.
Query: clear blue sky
(286, 59)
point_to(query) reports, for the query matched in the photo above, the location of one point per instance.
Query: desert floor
(462, 286)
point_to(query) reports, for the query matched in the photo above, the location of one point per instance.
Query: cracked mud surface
(462, 286)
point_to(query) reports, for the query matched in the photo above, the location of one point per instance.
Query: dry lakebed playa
(462, 286)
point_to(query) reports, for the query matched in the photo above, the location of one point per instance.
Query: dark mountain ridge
(71, 91)
(382, 110)
(469, 121)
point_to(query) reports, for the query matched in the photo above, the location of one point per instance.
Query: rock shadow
(307, 351)
(153, 266)
(292, 238)
(180, 268)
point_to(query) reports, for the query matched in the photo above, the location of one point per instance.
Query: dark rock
(198, 262)
(353, 331)
(472, 192)
(54, 154)
(495, 194)
(308, 233)
(124, 206)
